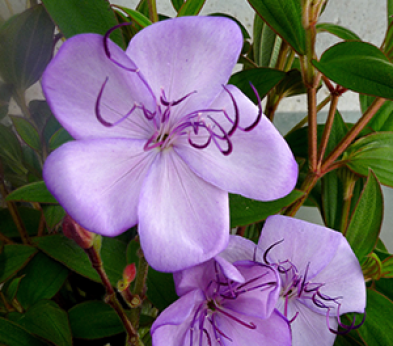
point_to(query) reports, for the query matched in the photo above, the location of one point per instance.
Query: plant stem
(153, 15)
(110, 298)
(312, 128)
(328, 128)
(351, 135)
(5, 239)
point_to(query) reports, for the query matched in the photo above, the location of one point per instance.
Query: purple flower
(224, 304)
(320, 276)
(160, 138)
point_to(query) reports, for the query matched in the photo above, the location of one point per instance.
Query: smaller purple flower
(320, 278)
(224, 304)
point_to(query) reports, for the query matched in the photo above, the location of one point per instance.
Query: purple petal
(273, 331)
(343, 277)
(98, 182)
(303, 243)
(262, 285)
(187, 54)
(183, 221)
(72, 83)
(172, 325)
(240, 249)
(261, 165)
(310, 328)
(229, 270)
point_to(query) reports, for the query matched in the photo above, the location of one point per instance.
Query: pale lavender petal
(229, 270)
(72, 83)
(261, 165)
(98, 182)
(187, 54)
(302, 243)
(172, 325)
(310, 328)
(261, 287)
(273, 331)
(241, 249)
(183, 220)
(343, 277)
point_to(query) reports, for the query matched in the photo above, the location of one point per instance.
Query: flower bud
(74, 231)
(128, 277)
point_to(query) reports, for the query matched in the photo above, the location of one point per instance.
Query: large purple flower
(320, 276)
(160, 138)
(224, 304)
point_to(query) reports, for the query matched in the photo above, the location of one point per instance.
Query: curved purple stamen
(259, 116)
(249, 325)
(269, 249)
(236, 122)
(98, 112)
(346, 328)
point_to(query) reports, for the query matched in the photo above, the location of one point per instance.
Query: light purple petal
(183, 221)
(303, 243)
(273, 331)
(98, 182)
(72, 83)
(310, 328)
(172, 325)
(229, 270)
(187, 54)
(343, 277)
(262, 285)
(241, 249)
(261, 165)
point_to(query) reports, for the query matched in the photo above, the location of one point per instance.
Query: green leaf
(13, 258)
(94, 320)
(377, 329)
(338, 31)
(191, 8)
(76, 17)
(11, 151)
(40, 112)
(263, 79)
(47, 320)
(266, 44)
(245, 211)
(26, 47)
(35, 192)
(6, 91)
(388, 44)
(292, 84)
(13, 335)
(285, 18)
(43, 279)
(332, 192)
(138, 17)
(366, 220)
(177, 4)
(387, 269)
(30, 218)
(60, 137)
(27, 132)
(72, 256)
(53, 214)
(390, 11)
(358, 66)
(383, 118)
(374, 151)
(12, 288)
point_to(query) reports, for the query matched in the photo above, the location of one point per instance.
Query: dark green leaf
(94, 320)
(27, 132)
(26, 47)
(285, 18)
(12, 287)
(366, 220)
(292, 84)
(263, 79)
(43, 279)
(177, 4)
(191, 8)
(40, 112)
(35, 192)
(33, 163)
(266, 44)
(390, 11)
(332, 192)
(13, 335)
(51, 127)
(338, 30)
(60, 137)
(136, 16)
(383, 118)
(245, 211)
(388, 44)
(11, 151)
(53, 215)
(6, 91)
(358, 66)
(76, 17)
(377, 329)
(374, 151)
(47, 320)
(30, 218)
(387, 268)
(13, 258)
(71, 255)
